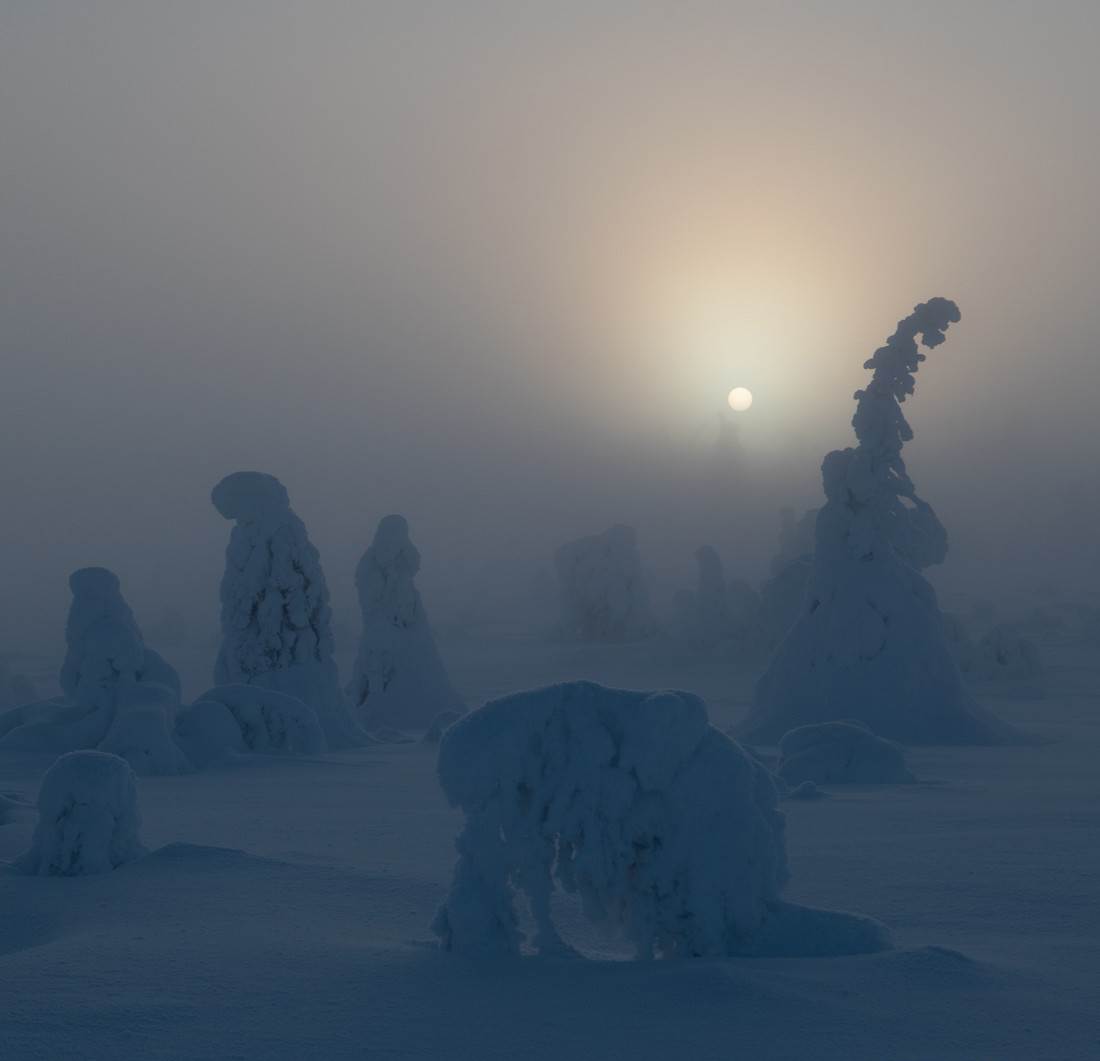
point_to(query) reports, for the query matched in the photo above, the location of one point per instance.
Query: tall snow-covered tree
(869, 642)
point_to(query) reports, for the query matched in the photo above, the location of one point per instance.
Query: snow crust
(276, 620)
(662, 825)
(602, 588)
(399, 678)
(88, 820)
(869, 642)
(833, 753)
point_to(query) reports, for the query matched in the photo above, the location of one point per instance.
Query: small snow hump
(88, 820)
(246, 495)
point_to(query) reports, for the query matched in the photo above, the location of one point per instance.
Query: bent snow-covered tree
(119, 695)
(275, 615)
(660, 823)
(869, 642)
(399, 679)
(602, 587)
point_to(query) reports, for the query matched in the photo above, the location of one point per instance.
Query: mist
(496, 269)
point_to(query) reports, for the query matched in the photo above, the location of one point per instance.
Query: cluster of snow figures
(88, 819)
(869, 642)
(720, 613)
(602, 588)
(275, 614)
(665, 828)
(119, 695)
(399, 678)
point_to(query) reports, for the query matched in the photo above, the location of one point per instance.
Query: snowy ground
(284, 910)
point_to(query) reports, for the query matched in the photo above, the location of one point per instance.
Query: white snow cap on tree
(399, 679)
(870, 642)
(602, 587)
(120, 695)
(88, 819)
(275, 615)
(660, 823)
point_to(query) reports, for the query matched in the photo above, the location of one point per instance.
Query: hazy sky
(496, 266)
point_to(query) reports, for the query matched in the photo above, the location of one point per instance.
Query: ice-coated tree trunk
(869, 642)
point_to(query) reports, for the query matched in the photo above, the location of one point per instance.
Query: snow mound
(88, 819)
(266, 719)
(602, 588)
(399, 678)
(209, 732)
(837, 753)
(276, 620)
(869, 640)
(119, 695)
(662, 825)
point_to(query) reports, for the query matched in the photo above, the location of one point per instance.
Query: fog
(496, 268)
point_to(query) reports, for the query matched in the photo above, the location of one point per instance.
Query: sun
(740, 399)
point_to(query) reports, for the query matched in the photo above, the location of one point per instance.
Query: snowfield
(285, 905)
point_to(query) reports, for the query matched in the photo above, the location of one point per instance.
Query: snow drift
(835, 753)
(119, 694)
(602, 588)
(399, 678)
(88, 820)
(275, 616)
(869, 642)
(661, 824)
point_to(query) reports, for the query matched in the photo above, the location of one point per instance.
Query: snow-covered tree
(119, 694)
(720, 612)
(276, 620)
(660, 823)
(869, 642)
(602, 588)
(88, 820)
(399, 679)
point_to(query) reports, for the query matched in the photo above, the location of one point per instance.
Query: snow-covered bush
(661, 824)
(869, 641)
(88, 819)
(837, 753)
(399, 678)
(209, 732)
(118, 693)
(602, 588)
(276, 620)
(15, 689)
(266, 721)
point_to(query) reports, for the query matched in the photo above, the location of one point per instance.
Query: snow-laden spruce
(602, 588)
(869, 642)
(782, 595)
(119, 694)
(276, 620)
(88, 820)
(662, 825)
(399, 679)
(720, 612)
(839, 753)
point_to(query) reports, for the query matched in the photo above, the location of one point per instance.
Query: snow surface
(276, 620)
(832, 753)
(399, 679)
(283, 911)
(88, 819)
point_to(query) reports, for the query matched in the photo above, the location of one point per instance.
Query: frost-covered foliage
(837, 753)
(266, 720)
(661, 824)
(88, 819)
(720, 612)
(119, 695)
(602, 588)
(869, 641)
(1005, 654)
(399, 678)
(275, 616)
